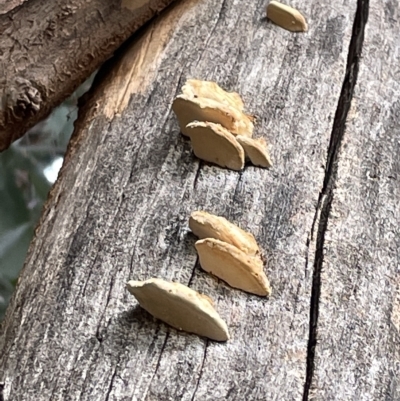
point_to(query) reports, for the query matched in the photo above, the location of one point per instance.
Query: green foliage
(24, 187)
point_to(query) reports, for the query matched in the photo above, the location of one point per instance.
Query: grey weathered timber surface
(358, 336)
(48, 48)
(120, 210)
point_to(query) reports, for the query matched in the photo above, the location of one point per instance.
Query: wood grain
(121, 205)
(357, 352)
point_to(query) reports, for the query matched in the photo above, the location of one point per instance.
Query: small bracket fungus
(255, 150)
(286, 17)
(230, 253)
(232, 265)
(206, 225)
(180, 307)
(213, 118)
(189, 109)
(215, 144)
(211, 90)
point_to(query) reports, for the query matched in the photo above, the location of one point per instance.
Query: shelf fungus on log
(189, 109)
(180, 307)
(207, 225)
(232, 265)
(255, 150)
(215, 144)
(286, 17)
(211, 90)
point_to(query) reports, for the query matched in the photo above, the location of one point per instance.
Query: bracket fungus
(189, 109)
(180, 307)
(232, 265)
(286, 17)
(207, 225)
(215, 144)
(255, 150)
(211, 90)
(213, 119)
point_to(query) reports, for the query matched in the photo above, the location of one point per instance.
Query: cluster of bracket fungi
(220, 133)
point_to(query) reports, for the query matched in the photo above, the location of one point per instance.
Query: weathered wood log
(48, 48)
(358, 335)
(120, 210)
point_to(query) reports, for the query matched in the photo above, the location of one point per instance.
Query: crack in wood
(235, 194)
(326, 195)
(196, 178)
(193, 271)
(158, 361)
(201, 370)
(99, 336)
(111, 383)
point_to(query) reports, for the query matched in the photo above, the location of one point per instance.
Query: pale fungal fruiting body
(286, 17)
(230, 253)
(180, 307)
(213, 119)
(189, 109)
(232, 265)
(195, 88)
(207, 225)
(255, 150)
(215, 144)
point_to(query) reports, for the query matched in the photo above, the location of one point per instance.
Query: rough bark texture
(358, 335)
(323, 215)
(48, 48)
(8, 5)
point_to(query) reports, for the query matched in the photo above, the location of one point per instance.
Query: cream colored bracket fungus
(232, 265)
(215, 144)
(255, 150)
(180, 307)
(211, 90)
(189, 109)
(286, 17)
(206, 225)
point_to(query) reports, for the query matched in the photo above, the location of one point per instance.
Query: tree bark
(48, 48)
(120, 207)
